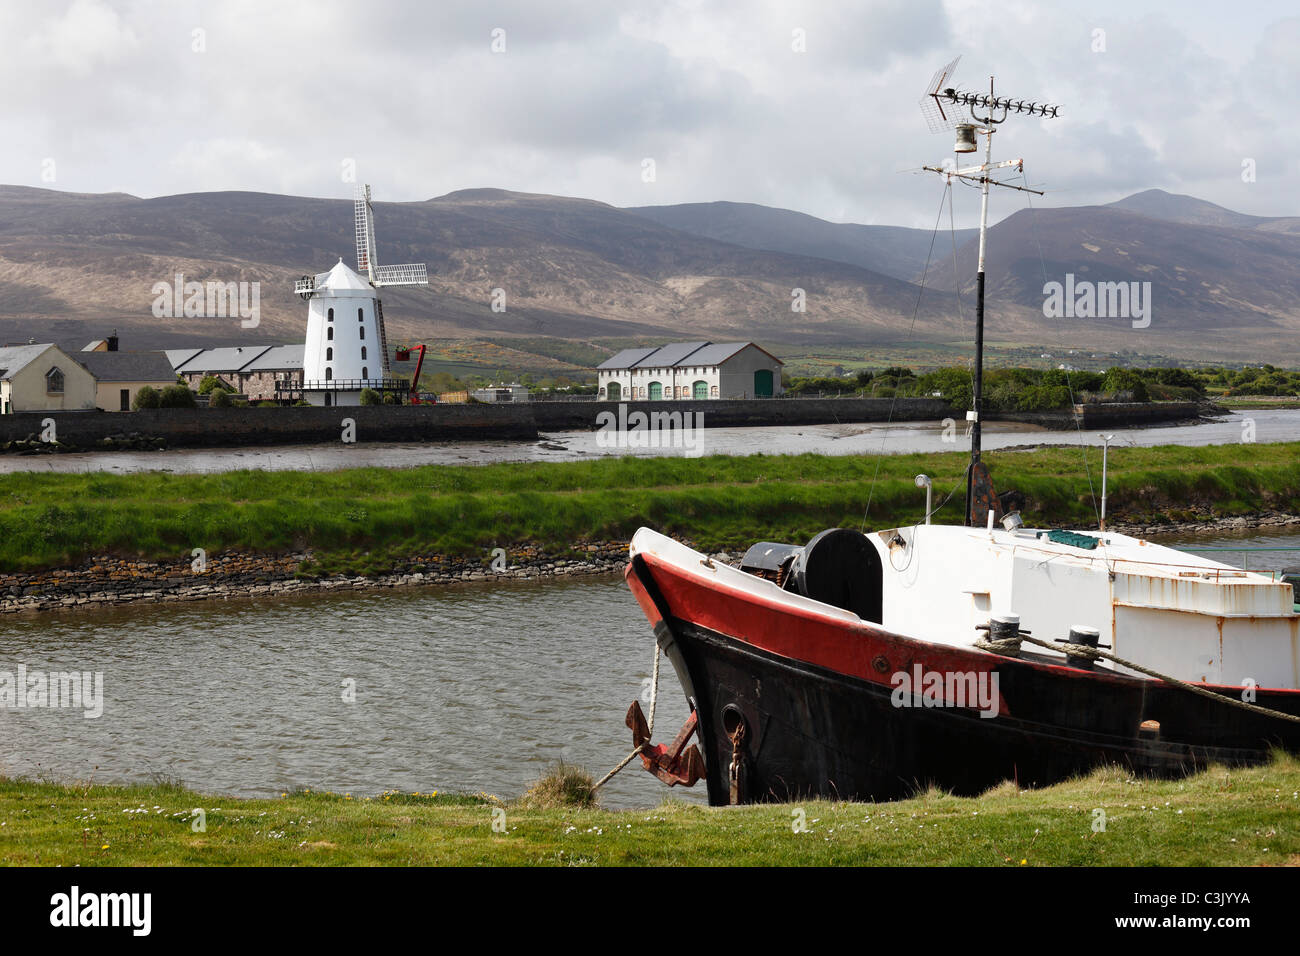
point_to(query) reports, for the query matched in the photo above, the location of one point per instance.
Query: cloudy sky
(809, 106)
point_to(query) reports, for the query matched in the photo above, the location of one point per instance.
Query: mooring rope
(654, 700)
(1011, 645)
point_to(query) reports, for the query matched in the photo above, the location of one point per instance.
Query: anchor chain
(737, 756)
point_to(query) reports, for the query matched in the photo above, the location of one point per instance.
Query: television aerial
(947, 108)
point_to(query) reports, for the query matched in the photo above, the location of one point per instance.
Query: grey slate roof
(128, 366)
(716, 353)
(179, 357)
(626, 358)
(678, 354)
(232, 359)
(277, 358)
(14, 358)
(669, 355)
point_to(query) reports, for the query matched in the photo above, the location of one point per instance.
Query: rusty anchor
(673, 763)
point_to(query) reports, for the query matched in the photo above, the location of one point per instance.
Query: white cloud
(88, 35)
(713, 92)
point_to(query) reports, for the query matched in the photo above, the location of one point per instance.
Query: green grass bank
(361, 520)
(1218, 818)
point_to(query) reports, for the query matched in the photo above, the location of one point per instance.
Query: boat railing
(1247, 552)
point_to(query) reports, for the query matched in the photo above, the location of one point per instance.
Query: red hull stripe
(860, 650)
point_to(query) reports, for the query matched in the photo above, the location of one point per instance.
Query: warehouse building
(690, 370)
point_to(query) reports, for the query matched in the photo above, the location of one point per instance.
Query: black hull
(812, 732)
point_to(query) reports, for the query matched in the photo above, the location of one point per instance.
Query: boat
(873, 665)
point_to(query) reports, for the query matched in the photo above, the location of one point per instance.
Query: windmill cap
(341, 280)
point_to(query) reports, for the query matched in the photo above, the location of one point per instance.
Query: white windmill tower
(346, 348)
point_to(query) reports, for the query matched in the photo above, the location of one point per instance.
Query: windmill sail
(363, 213)
(410, 273)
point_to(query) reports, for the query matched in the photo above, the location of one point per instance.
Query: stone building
(254, 370)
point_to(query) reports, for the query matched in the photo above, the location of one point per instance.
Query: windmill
(337, 362)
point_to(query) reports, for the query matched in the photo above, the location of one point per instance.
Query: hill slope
(893, 250)
(1224, 285)
(71, 265)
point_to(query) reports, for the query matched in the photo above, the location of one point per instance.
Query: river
(461, 688)
(1266, 425)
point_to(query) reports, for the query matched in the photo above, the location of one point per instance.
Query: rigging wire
(956, 273)
(915, 311)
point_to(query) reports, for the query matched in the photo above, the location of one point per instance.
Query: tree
(219, 398)
(176, 396)
(370, 397)
(209, 383)
(147, 397)
(1125, 380)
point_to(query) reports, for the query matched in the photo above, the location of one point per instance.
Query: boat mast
(977, 398)
(933, 104)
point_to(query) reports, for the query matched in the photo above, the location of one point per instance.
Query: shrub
(176, 396)
(147, 397)
(390, 398)
(209, 383)
(370, 397)
(219, 398)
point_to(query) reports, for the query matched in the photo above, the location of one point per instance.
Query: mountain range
(1223, 284)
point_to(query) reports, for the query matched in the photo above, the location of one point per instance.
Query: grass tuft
(564, 785)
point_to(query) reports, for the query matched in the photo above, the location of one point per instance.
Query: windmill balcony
(347, 385)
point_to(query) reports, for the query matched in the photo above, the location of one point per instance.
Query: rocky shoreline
(1264, 521)
(108, 581)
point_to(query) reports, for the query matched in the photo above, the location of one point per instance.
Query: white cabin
(1176, 613)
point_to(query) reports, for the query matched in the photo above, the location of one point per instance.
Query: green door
(656, 391)
(615, 392)
(763, 383)
(701, 390)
